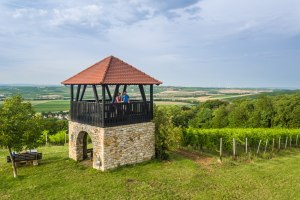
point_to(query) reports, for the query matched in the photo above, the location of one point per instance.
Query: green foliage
(205, 113)
(167, 136)
(19, 126)
(220, 117)
(263, 112)
(54, 125)
(58, 138)
(42, 139)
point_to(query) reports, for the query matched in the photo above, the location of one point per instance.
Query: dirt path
(203, 160)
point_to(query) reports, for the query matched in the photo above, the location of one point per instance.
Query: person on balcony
(118, 98)
(125, 97)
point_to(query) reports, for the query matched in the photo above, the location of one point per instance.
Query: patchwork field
(56, 98)
(51, 106)
(185, 176)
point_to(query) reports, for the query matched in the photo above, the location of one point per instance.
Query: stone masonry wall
(114, 146)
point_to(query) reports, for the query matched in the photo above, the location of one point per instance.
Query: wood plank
(83, 91)
(78, 92)
(103, 105)
(116, 91)
(124, 88)
(151, 102)
(143, 93)
(108, 92)
(72, 92)
(95, 93)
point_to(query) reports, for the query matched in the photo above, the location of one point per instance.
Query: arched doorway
(85, 146)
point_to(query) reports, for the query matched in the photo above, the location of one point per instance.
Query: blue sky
(209, 43)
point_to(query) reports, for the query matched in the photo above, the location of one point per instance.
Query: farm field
(185, 176)
(51, 106)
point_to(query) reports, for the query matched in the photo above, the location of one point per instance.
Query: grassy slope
(60, 178)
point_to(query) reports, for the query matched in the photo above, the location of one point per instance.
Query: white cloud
(29, 13)
(89, 15)
(210, 38)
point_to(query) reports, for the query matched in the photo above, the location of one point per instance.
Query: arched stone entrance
(113, 146)
(78, 149)
(82, 146)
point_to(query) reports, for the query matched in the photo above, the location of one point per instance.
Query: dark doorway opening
(87, 147)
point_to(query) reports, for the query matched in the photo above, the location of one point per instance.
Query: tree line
(262, 112)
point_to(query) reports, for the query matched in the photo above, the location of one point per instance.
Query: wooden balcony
(113, 114)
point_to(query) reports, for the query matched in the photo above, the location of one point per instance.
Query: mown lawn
(58, 177)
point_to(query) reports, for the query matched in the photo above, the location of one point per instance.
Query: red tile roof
(111, 71)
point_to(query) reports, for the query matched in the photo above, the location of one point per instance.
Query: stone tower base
(113, 146)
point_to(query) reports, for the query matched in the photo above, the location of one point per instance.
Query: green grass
(58, 177)
(51, 106)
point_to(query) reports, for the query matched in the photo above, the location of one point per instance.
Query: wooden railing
(114, 113)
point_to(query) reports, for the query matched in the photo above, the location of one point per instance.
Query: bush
(58, 138)
(167, 136)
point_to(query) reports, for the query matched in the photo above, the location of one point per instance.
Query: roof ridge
(106, 70)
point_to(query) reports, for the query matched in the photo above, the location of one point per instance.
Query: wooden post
(258, 147)
(221, 148)
(246, 148)
(78, 92)
(82, 93)
(233, 148)
(144, 98)
(143, 93)
(103, 105)
(116, 91)
(124, 88)
(266, 146)
(297, 141)
(279, 143)
(151, 101)
(108, 92)
(72, 93)
(286, 140)
(290, 141)
(95, 93)
(273, 144)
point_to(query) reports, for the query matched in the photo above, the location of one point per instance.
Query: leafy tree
(240, 114)
(180, 115)
(202, 119)
(54, 125)
(263, 113)
(19, 126)
(213, 104)
(167, 136)
(295, 118)
(220, 117)
(58, 138)
(286, 108)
